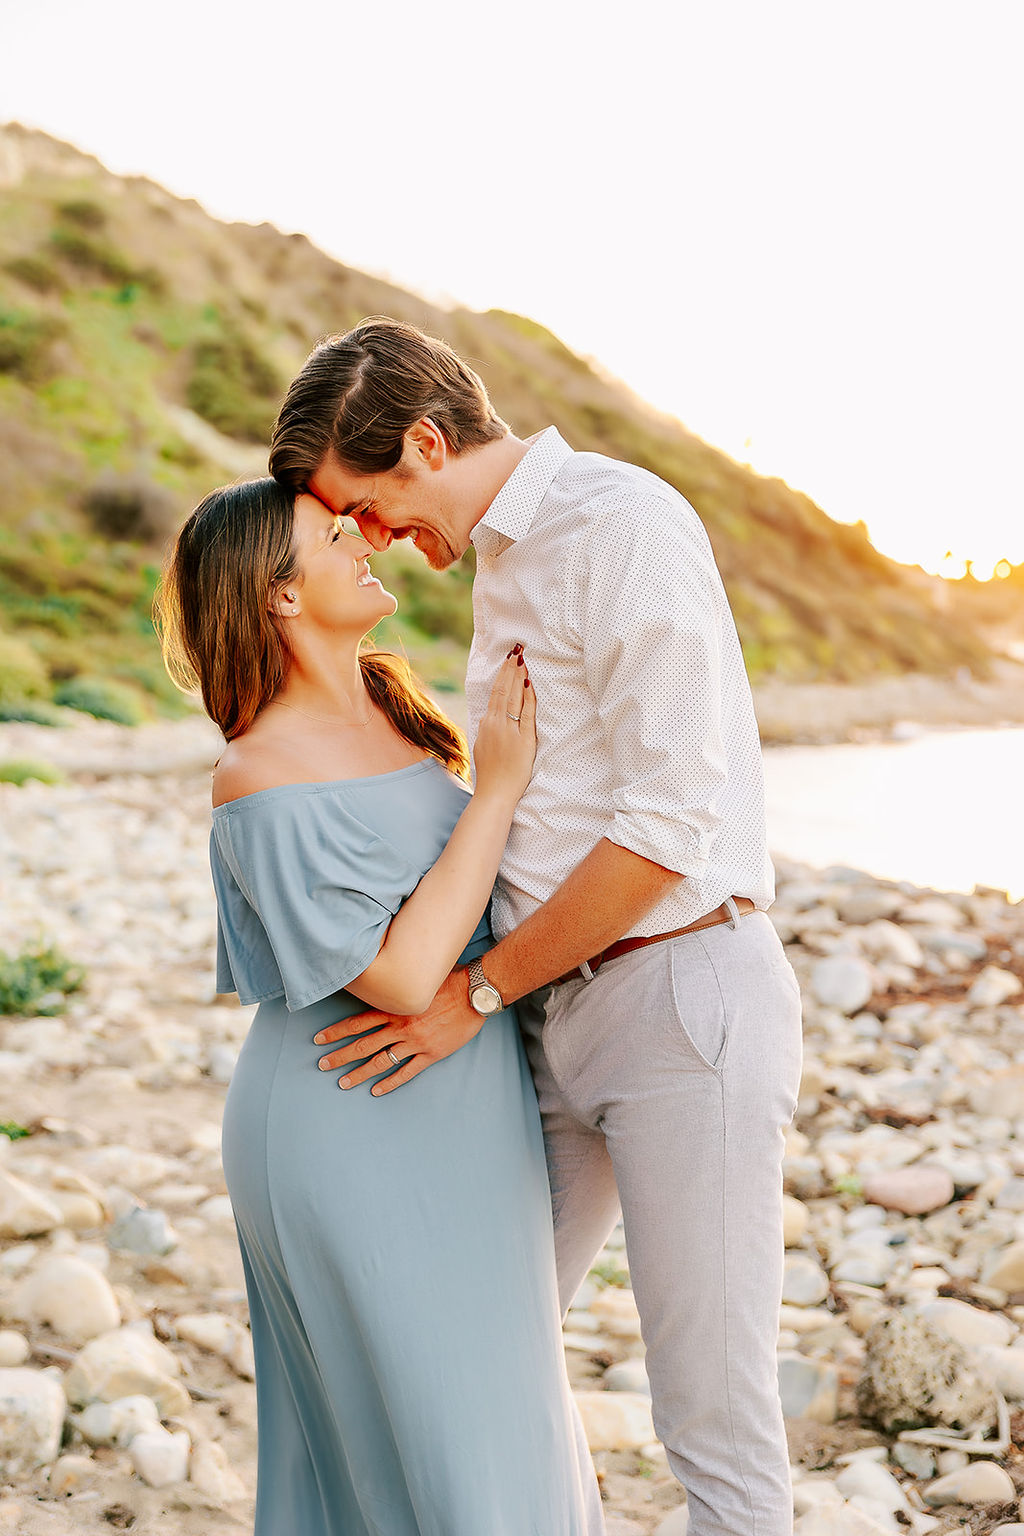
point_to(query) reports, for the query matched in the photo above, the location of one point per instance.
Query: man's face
(408, 502)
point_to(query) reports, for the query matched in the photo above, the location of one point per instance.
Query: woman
(397, 1246)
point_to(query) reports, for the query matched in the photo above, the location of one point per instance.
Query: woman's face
(335, 590)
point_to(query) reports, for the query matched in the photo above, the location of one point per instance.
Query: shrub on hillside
(22, 770)
(233, 387)
(36, 273)
(25, 344)
(102, 698)
(130, 507)
(30, 711)
(83, 212)
(104, 260)
(22, 674)
(36, 982)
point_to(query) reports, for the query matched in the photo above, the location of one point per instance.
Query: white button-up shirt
(646, 730)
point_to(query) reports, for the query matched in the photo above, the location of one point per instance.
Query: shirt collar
(510, 515)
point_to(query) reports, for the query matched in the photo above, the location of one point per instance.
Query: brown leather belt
(625, 946)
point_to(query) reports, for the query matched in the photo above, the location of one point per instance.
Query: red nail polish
(527, 683)
(517, 650)
(519, 661)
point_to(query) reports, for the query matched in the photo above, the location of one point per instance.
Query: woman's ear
(286, 603)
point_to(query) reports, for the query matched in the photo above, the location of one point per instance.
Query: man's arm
(603, 897)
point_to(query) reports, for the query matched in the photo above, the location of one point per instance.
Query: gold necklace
(325, 719)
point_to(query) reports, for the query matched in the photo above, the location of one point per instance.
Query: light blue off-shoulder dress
(398, 1251)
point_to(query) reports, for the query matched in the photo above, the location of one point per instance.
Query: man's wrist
(484, 997)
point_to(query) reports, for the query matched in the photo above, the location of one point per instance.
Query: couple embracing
(616, 1024)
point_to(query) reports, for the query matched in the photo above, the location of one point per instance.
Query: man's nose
(372, 530)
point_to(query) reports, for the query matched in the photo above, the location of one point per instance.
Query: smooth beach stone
(808, 1388)
(968, 1325)
(983, 1482)
(842, 981)
(14, 1347)
(1007, 1369)
(812, 1492)
(839, 1520)
(71, 1473)
(32, 1409)
(631, 1376)
(127, 1362)
(992, 987)
(616, 1421)
(210, 1470)
(872, 1481)
(1005, 1268)
(71, 1296)
(221, 1335)
(796, 1219)
(804, 1282)
(159, 1457)
(24, 1211)
(914, 1191)
(143, 1231)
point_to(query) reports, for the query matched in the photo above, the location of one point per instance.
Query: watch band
(475, 974)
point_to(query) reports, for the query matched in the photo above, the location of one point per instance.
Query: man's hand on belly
(417, 1040)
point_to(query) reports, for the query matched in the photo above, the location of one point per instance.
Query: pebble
(914, 1191)
(992, 987)
(804, 1283)
(968, 1325)
(24, 1211)
(71, 1296)
(631, 1376)
(70, 1474)
(839, 1520)
(844, 982)
(869, 1480)
(983, 1482)
(124, 1363)
(32, 1409)
(1005, 1270)
(616, 1421)
(222, 1336)
(796, 1219)
(617, 1312)
(118, 1422)
(211, 1472)
(14, 1347)
(160, 1457)
(143, 1231)
(809, 1388)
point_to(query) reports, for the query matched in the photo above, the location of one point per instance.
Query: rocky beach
(126, 1396)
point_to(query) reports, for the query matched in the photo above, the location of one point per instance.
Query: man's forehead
(339, 489)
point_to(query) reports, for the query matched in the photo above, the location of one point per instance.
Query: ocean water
(943, 809)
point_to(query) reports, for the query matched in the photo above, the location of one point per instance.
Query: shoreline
(788, 714)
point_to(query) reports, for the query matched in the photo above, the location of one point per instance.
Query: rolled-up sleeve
(649, 610)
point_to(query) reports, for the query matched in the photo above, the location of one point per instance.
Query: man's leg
(584, 1199)
(687, 1055)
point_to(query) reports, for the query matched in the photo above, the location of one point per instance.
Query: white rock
(983, 1482)
(32, 1409)
(795, 1221)
(144, 1231)
(616, 1421)
(1007, 1369)
(221, 1335)
(124, 1363)
(79, 1211)
(159, 1457)
(838, 1520)
(617, 1311)
(968, 1325)
(14, 1347)
(71, 1296)
(217, 1208)
(24, 1211)
(811, 1493)
(631, 1376)
(993, 987)
(69, 1474)
(1005, 1268)
(804, 1282)
(212, 1473)
(882, 940)
(872, 1481)
(842, 981)
(914, 1191)
(808, 1388)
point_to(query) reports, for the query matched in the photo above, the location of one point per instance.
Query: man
(666, 1054)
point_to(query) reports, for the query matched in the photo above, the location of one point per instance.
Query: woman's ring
(392, 1057)
(516, 718)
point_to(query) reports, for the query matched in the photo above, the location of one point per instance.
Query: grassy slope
(119, 302)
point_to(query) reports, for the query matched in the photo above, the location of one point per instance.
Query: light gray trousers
(666, 1083)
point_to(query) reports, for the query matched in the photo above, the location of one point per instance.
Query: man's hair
(358, 394)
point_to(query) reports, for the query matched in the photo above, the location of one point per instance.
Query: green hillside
(144, 348)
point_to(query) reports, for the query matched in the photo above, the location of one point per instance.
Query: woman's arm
(433, 927)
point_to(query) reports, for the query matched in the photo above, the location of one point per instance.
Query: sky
(795, 226)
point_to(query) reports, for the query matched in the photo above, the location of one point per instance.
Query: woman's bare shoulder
(248, 765)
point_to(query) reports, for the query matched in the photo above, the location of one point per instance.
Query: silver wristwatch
(485, 998)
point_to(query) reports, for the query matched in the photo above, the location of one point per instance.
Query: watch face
(485, 999)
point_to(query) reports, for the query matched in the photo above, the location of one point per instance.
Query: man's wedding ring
(516, 718)
(389, 1053)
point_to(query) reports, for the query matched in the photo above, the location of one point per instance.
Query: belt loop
(585, 971)
(733, 911)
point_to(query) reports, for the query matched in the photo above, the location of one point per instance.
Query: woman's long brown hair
(221, 635)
